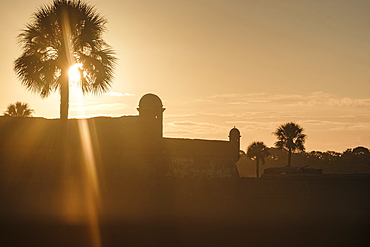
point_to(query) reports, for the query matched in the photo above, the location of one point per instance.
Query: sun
(74, 72)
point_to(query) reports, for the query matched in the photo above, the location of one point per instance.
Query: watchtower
(151, 118)
(234, 139)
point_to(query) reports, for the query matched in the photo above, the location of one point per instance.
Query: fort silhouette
(125, 141)
(153, 190)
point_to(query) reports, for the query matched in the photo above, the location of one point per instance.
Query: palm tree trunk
(64, 95)
(64, 101)
(257, 168)
(289, 157)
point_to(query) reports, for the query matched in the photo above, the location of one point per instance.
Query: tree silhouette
(60, 35)
(360, 151)
(258, 151)
(18, 109)
(290, 138)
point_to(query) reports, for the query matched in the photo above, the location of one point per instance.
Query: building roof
(150, 100)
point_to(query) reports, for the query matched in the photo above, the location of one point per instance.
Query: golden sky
(217, 64)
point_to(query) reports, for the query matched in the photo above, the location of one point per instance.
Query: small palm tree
(61, 35)
(18, 109)
(290, 138)
(258, 151)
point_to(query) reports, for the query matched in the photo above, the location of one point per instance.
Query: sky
(217, 64)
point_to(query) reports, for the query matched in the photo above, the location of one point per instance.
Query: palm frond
(290, 136)
(59, 35)
(18, 109)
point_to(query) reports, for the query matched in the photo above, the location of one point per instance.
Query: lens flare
(74, 73)
(92, 193)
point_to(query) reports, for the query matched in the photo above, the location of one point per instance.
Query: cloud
(118, 94)
(180, 115)
(339, 119)
(192, 123)
(318, 98)
(365, 139)
(192, 129)
(237, 95)
(114, 94)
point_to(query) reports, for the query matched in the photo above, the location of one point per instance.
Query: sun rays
(91, 182)
(84, 195)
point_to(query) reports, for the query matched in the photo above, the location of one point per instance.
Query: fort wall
(202, 159)
(117, 143)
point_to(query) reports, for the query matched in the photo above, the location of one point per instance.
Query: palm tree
(60, 35)
(258, 151)
(290, 138)
(18, 109)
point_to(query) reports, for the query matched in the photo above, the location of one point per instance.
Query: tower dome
(234, 134)
(150, 101)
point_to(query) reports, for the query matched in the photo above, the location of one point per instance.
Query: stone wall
(200, 159)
